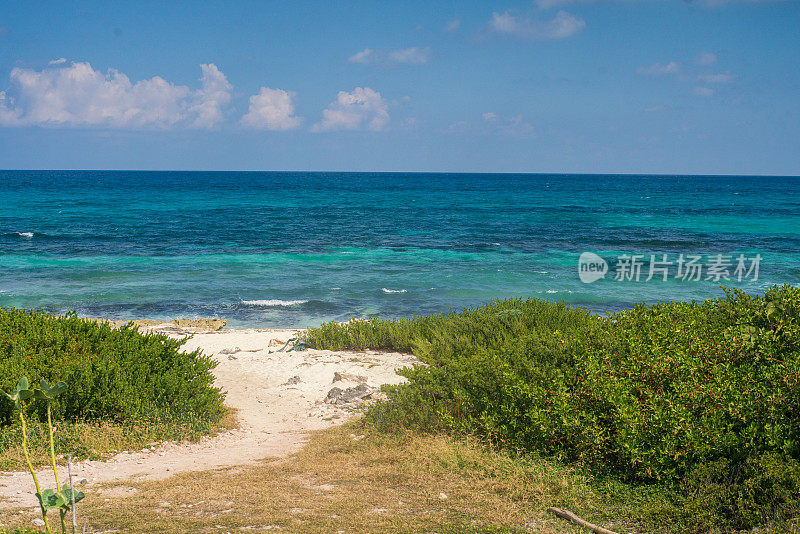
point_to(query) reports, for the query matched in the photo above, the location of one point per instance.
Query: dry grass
(97, 441)
(342, 483)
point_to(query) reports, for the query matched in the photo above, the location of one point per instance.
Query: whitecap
(273, 302)
(385, 290)
(335, 288)
(25, 235)
(552, 291)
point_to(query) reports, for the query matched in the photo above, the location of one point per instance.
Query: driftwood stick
(572, 518)
(72, 495)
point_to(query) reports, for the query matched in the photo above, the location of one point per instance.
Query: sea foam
(273, 302)
(25, 235)
(385, 290)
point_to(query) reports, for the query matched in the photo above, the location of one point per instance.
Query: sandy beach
(279, 397)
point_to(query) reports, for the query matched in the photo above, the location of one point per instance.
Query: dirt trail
(280, 397)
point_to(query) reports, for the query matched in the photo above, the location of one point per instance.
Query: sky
(551, 86)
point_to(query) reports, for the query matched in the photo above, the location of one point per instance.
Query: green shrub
(116, 375)
(648, 395)
(730, 494)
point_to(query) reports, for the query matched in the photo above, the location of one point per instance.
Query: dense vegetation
(119, 380)
(701, 399)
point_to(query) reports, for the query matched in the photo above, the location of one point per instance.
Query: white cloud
(76, 95)
(9, 114)
(410, 56)
(703, 91)
(490, 116)
(365, 56)
(659, 69)
(402, 56)
(271, 109)
(208, 102)
(706, 58)
(452, 26)
(563, 25)
(720, 77)
(362, 108)
(59, 61)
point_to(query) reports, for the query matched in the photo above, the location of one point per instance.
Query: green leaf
(48, 392)
(68, 494)
(20, 393)
(50, 500)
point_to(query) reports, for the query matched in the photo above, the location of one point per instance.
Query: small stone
(337, 376)
(83, 481)
(442, 496)
(292, 381)
(38, 522)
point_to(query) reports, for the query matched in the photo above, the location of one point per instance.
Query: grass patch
(378, 483)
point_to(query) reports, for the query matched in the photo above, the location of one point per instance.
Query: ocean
(294, 249)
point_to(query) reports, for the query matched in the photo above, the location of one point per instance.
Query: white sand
(274, 417)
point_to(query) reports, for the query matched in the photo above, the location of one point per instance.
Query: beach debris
(337, 376)
(572, 518)
(230, 351)
(352, 395)
(298, 346)
(292, 381)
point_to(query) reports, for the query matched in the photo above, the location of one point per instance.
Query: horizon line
(544, 173)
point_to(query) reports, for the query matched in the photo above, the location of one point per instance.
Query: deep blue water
(295, 249)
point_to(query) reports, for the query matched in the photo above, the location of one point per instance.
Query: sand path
(275, 409)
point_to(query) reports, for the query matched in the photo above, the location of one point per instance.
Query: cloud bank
(76, 95)
(563, 25)
(403, 56)
(271, 109)
(363, 108)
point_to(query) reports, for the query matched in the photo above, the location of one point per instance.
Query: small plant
(63, 498)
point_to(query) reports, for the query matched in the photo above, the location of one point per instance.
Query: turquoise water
(296, 249)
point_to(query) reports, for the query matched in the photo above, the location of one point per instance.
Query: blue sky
(615, 86)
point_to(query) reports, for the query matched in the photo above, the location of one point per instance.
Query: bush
(761, 490)
(648, 395)
(115, 375)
